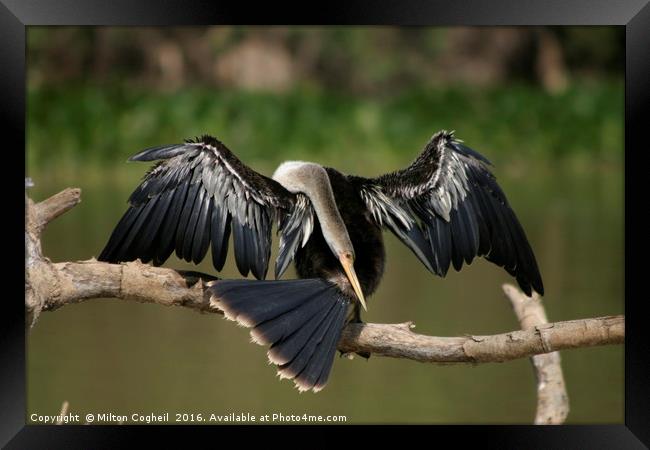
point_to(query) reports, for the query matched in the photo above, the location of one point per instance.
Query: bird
(446, 207)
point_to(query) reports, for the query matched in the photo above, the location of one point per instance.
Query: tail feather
(285, 334)
(319, 382)
(293, 354)
(327, 366)
(253, 303)
(301, 320)
(320, 362)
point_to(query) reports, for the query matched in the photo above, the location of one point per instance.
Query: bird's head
(346, 258)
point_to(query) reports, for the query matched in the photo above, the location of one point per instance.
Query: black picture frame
(634, 15)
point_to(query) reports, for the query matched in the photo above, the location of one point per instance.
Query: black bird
(446, 207)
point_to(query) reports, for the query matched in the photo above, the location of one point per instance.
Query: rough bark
(398, 341)
(39, 273)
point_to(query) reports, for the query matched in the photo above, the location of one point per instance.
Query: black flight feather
(127, 247)
(464, 212)
(241, 248)
(110, 252)
(184, 219)
(145, 243)
(220, 231)
(187, 201)
(170, 224)
(190, 228)
(202, 232)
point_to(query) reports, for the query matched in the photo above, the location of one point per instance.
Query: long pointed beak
(348, 266)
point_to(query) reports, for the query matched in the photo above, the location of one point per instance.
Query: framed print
(420, 215)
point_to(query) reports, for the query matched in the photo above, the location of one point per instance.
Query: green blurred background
(545, 105)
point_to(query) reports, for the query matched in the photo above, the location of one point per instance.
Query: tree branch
(398, 341)
(50, 286)
(134, 281)
(552, 398)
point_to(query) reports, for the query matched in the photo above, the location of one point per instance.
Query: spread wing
(195, 197)
(448, 208)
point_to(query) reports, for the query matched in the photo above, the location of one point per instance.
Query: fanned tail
(301, 321)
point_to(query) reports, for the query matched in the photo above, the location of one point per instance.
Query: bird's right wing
(194, 197)
(448, 208)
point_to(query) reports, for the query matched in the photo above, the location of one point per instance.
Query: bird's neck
(312, 180)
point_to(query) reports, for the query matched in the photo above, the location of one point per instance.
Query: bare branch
(51, 208)
(133, 281)
(51, 286)
(38, 269)
(552, 398)
(79, 281)
(398, 341)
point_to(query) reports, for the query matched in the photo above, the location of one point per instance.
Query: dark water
(123, 358)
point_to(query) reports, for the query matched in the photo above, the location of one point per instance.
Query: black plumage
(451, 194)
(446, 207)
(197, 182)
(301, 321)
(315, 260)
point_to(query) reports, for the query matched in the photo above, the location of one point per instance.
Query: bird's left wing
(195, 196)
(448, 208)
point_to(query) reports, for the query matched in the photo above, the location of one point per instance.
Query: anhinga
(446, 207)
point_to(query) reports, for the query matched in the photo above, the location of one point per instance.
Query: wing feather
(202, 232)
(295, 229)
(144, 211)
(194, 197)
(184, 220)
(220, 234)
(145, 245)
(450, 194)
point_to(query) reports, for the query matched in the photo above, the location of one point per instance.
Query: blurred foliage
(593, 49)
(100, 94)
(77, 125)
(358, 60)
